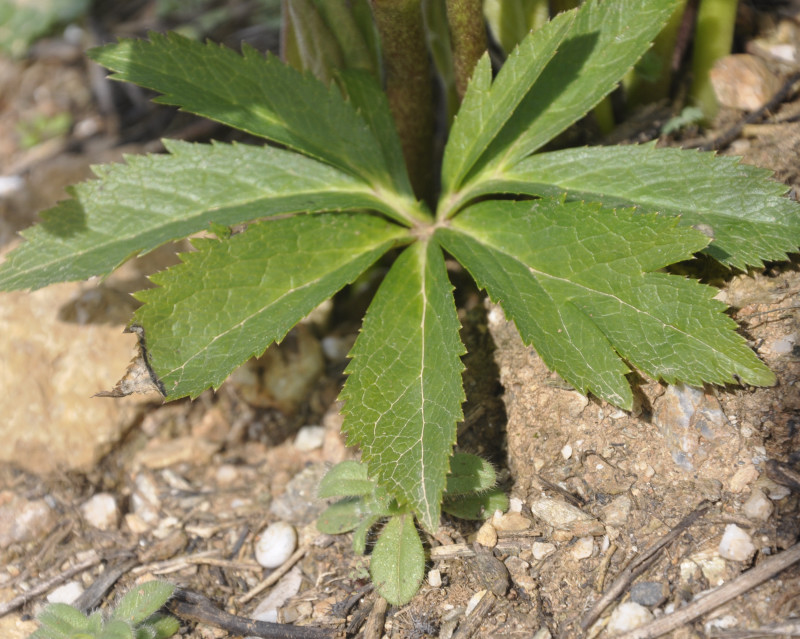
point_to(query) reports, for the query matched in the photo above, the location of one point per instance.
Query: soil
(195, 483)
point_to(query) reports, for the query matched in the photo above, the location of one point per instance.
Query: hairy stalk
(468, 35)
(340, 20)
(408, 85)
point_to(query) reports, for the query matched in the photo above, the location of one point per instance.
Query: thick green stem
(713, 38)
(468, 37)
(318, 49)
(408, 85)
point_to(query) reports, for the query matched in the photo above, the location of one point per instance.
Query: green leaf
(604, 41)
(367, 96)
(144, 632)
(476, 507)
(164, 625)
(253, 93)
(398, 561)
(403, 394)
(135, 207)
(487, 105)
(117, 629)
(60, 621)
(348, 478)
(141, 601)
(576, 280)
(231, 299)
(342, 516)
(735, 203)
(469, 474)
(361, 531)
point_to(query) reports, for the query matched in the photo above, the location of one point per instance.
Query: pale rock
(783, 345)
(566, 451)
(617, 512)
(145, 501)
(275, 544)
(435, 578)
(180, 450)
(541, 549)
(474, 600)
(298, 503)
(309, 438)
(487, 535)
(714, 568)
(101, 511)
(742, 478)
(648, 593)
(288, 586)
(717, 626)
(566, 517)
(51, 370)
(67, 593)
(542, 633)
(22, 520)
(12, 626)
(517, 567)
(511, 522)
(515, 505)
(736, 544)
(757, 506)
(627, 616)
(227, 474)
(583, 548)
(742, 81)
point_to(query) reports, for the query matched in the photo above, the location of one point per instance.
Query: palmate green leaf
(403, 394)
(253, 93)
(732, 202)
(577, 281)
(397, 564)
(488, 105)
(604, 40)
(231, 299)
(133, 208)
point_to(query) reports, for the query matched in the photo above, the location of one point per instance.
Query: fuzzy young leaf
(734, 203)
(164, 626)
(469, 474)
(604, 40)
(348, 478)
(476, 507)
(253, 93)
(342, 516)
(397, 564)
(230, 299)
(488, 105)
(360, 533)
(133, 208)
(403, 394)
(60, 621)
(142, 601)
(577, 281)
(117, 629)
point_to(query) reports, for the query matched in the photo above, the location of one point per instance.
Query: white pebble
(566, 451)
(275, 544)
(435, 578)
(627, 616)
(736, 544)
(66, 594)
(757, 506)
(515, 505)
(583, 548)
(541, 549)
(101, 511)
(309, 438)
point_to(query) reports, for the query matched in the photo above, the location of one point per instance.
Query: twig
(731, 590)
(93, 595)
(273, 578)
(47, 584)
(473, 621)
(373, 629)
(193, 606)
(779, 629)
(602, 569)
(638, 566)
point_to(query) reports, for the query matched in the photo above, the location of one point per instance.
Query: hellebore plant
(571, 243)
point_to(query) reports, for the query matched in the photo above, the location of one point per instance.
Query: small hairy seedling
(571, 243)
(398, 560)
(135, 616)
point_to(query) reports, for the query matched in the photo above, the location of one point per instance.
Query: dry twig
(273, 578)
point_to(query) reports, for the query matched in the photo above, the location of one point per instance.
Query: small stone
(541, 549)
(742, 81)
(627, 616)
(648, 593)
(583, 548)
(181, 450)
(435, 578)
(784, 345)
(566, 451)
(516, 567)
(227, 474)
(288, 586)
(563, 516)
(66, 594)
(515, 505)
(487, 535)
(309, 438)
(22, 520)
(145, 501)
(101, 511)
(757, 506)
(617, 512)
(275, 544)
(742, 478)
(511, 522)
(736, 544)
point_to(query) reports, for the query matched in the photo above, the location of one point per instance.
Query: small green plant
(136, 616)
(571, 243)
(398, 560)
